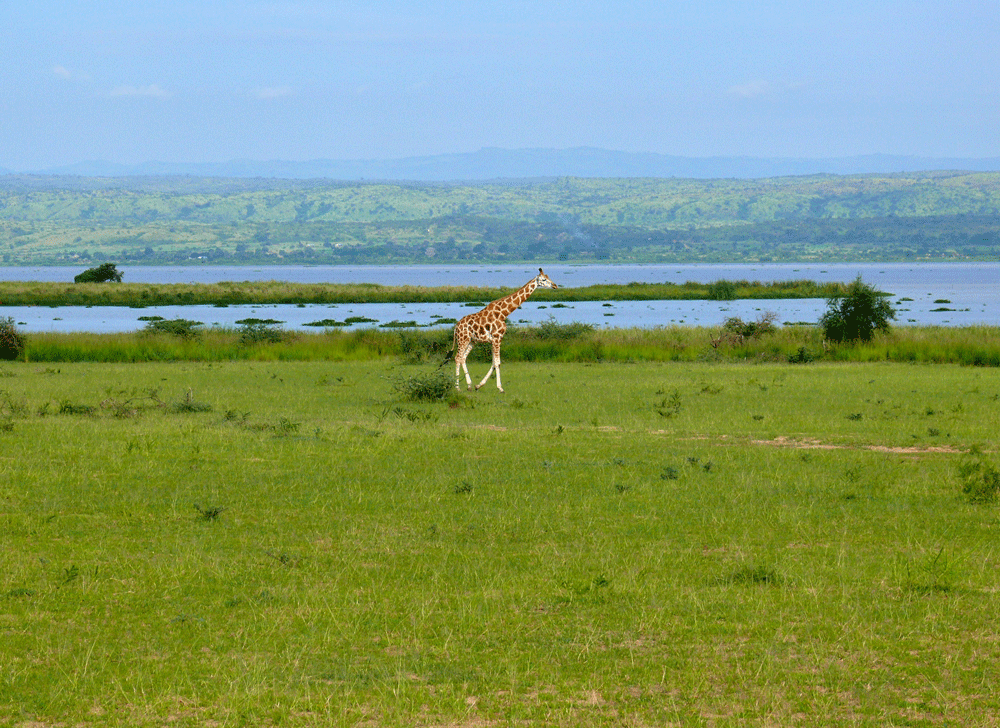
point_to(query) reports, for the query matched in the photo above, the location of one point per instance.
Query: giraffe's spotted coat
(489, 325)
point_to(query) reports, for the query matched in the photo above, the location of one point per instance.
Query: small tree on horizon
(101, 274)
(856, 314)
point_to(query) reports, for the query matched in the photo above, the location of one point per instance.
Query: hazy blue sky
(212, 81)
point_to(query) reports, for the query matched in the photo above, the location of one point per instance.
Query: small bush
(751, 329)
(856, 314)
(260, 332)
(105, 273)
(71, 408)
(425, 387)
(552, 329)
(211, 513)
(189, 405)
(980, 479)
(802, 356)
(668, 406)
(12, 341)
(178, 327)
(722, 291)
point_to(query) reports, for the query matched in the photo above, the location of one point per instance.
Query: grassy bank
(970, 345)
(297, 544)
(21, 293)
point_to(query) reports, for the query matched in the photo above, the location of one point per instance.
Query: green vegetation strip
(82, 221)
(181, 340)
(19, 293)
(307, 544)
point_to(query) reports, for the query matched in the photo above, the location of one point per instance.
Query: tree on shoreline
(856, 314)
(101, 274)
(12, 341)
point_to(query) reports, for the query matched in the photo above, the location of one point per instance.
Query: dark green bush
(101, 274)
(856, 314)
(980, 479)
(751, 329)
(12, 341)
(802, 356)
(261, 333)
(178, 327)
(433, 386)
(722, 291)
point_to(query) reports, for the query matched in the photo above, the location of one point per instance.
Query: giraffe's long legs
(460, 366)
(494, 367)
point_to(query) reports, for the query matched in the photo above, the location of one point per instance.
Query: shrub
(260, 332)
(751, 329)
(12, 341)
(856, 314)
(425, 387)
(71, 408)
(189, 405)
(101, 274)
(736, 331)
(551, 329)
(802, 356)
(722, 291)
(980, 479)
(178, 327)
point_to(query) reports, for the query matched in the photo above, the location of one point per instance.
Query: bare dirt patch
(813, 444)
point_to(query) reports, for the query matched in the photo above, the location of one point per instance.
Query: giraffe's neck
(505, 306)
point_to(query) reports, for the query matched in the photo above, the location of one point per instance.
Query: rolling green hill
(74, 220)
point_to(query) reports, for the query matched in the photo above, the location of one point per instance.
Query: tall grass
(972, 345)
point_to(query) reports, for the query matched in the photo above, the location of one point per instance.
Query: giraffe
(490, 325)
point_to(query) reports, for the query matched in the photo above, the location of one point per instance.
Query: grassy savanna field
(644, 544)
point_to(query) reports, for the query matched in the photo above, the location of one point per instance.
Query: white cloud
(68, 75)
(151, 91)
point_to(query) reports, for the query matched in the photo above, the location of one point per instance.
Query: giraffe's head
(543, 281)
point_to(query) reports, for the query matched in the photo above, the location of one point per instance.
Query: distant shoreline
(135, 295)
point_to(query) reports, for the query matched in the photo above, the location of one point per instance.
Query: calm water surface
(971, 290)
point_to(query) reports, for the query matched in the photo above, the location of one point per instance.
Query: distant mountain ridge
(491, 163)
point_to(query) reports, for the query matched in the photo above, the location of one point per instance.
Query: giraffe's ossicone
(490, 325)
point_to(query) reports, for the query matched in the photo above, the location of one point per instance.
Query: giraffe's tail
(447, 357)
(454, 346)
(451, 351)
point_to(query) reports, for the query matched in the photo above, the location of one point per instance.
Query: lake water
(972, 292)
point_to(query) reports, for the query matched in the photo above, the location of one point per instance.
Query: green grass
(644, 544)
(34, 293)
(550, 341)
